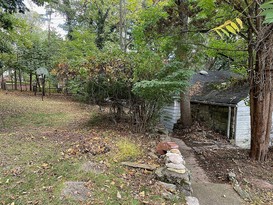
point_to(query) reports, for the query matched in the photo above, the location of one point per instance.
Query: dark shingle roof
(210, 91)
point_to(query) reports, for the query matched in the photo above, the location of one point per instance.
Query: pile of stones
(174, 171)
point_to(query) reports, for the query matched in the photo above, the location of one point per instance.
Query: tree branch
(213, 48)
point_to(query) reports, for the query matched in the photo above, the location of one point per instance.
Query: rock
(231, 176)
(176, 151)
(141, 166)
(243, 194)
(76, 191)
(158, 173)
(93, 167)
(163, 147)
(168, 186)
(175, 166)
(173, 154)
(179, 171)
(175, 159)
(182, 181)
(203, 72)
(175, 177)
(190, 200)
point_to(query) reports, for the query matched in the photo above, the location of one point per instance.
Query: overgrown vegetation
(37, 159)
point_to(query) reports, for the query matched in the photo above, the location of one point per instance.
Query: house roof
(215, 87)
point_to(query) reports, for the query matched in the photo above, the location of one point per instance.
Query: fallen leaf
(118, 195)
(142, 194)
(45, 166)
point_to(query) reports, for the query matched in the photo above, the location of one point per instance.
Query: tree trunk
(30, 81)
(185, 109)
(122, 25)
(181, 55)
(38, 83)
(20, 80)
(43, 85)
(261, 96)
(15, 79)
(261, 120)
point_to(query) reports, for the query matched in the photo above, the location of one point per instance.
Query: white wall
(242, 130)
(170, 115)
(242, 134)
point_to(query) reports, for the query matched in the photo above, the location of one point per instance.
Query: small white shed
(224, 110)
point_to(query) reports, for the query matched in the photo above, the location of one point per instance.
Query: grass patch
(35, 173)
(127, 150)
(36, 120)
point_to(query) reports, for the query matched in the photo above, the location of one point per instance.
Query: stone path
(207, 192)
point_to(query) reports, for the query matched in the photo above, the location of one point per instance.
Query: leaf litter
(51, 155)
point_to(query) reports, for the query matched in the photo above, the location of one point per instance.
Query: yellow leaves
(229, 27)
(45, 166)
(239, 21)
(234, 25)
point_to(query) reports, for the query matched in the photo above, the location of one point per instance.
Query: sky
(57, 19)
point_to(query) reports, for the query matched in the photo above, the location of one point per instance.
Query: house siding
(243, 128)
(170, 115)
(242, 134)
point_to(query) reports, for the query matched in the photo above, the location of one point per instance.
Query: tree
(261, 96)
(158, 34)
(259, 38)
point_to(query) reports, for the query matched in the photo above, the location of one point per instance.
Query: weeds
(127, 150)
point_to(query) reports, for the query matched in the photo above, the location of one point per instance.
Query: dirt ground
(218, 158)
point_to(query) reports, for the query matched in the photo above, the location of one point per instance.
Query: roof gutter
(213, 103)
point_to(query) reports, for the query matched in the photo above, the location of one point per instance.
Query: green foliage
(147, 22)
(267, 12)
(207, 8)
(171, 79)
(104, 74)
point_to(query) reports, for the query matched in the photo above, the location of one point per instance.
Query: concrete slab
(216, 194)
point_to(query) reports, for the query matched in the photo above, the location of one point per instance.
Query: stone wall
(214, 117)
(174, 172)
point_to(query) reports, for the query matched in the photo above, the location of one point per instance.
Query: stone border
(175, 171)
